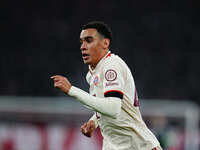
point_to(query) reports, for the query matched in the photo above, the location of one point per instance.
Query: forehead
(88, 32)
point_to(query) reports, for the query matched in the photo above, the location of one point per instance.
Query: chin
(87, 62)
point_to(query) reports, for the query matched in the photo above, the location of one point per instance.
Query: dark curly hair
(102, 28)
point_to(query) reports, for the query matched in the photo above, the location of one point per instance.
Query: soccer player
(112, 96)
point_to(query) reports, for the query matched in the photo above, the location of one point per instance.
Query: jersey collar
(99, 63)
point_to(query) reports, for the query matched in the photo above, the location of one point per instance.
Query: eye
(81, 41)
(89, 40)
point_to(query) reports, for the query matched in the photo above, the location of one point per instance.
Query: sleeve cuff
(72, 91)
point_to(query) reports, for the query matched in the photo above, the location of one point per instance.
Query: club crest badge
(96, 80)
(110, 75)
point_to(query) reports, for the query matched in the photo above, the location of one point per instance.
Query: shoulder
(114, 67)
(114, 61)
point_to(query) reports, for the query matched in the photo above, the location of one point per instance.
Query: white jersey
(128, 131)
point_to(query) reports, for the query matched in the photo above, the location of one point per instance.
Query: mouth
(85, 56)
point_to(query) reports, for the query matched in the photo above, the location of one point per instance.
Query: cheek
(92, 45)
(92, 49)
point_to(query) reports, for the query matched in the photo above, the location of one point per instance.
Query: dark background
(159, 40)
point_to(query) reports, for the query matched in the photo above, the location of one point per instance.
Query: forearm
(109, 106)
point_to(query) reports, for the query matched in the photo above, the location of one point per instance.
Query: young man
(112, 95)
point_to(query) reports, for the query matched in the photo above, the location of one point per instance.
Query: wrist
(70, 91)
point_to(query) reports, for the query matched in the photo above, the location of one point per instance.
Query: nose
(83, 46)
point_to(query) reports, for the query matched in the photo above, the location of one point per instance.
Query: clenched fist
(62, 83)
(88, 128)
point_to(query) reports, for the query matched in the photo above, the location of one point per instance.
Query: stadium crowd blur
(159, 40)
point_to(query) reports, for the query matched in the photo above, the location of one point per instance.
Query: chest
(96, 85)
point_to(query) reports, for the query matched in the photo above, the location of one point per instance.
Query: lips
(85, 56)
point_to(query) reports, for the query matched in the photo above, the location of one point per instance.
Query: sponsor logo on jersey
(111, 83)
(110, 75)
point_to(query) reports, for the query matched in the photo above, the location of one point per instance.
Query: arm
(109, 106)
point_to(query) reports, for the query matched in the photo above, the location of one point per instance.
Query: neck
(93, 66)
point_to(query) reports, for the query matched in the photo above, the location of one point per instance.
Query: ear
(106, 43)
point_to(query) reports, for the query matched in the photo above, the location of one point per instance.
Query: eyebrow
(87, 37)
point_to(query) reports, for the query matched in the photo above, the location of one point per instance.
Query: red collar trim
(108, 55)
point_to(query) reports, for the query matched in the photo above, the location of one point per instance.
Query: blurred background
(159, 40)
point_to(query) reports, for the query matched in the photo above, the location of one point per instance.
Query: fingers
(84, 128)
(56, 77)
(61, 83)
(57, 84)
(88, 128)
(52, 77)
